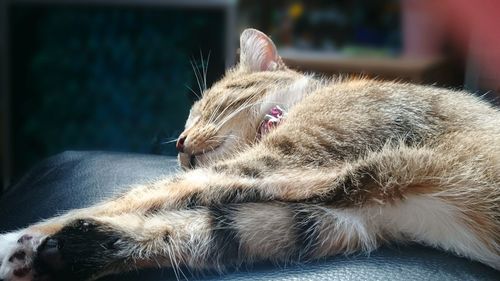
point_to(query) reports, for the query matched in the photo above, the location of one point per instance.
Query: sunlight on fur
(355, 164)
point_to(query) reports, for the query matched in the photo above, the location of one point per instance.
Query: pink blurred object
(423, 32)
(473, 27)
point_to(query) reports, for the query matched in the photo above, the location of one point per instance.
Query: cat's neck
(288, 96)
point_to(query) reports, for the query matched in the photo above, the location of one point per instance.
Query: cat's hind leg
(213, 237)
(221, 236)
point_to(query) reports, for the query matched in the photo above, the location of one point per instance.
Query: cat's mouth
(193, 160)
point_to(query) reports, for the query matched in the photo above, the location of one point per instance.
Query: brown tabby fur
(356, 163)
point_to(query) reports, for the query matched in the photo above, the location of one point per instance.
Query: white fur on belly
(431, 221)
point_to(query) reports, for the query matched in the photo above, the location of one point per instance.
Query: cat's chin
(186, 161)
(189, 161)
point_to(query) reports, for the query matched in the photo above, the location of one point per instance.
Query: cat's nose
(180, 144)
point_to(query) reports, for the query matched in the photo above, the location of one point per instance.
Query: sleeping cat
(345, 166)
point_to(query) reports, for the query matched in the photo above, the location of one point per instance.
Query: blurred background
(121, 75)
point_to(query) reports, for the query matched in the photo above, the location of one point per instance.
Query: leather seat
(77, 179)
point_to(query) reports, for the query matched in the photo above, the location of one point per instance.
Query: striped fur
(356, 164)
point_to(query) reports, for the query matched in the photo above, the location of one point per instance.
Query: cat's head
(228, 115)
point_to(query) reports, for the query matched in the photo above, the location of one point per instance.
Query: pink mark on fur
(271, 120)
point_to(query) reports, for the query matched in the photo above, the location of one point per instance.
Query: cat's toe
(16, 255)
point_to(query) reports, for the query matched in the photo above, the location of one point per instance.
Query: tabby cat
(345, 166)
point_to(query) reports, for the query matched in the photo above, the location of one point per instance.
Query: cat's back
(372, 103)
(345, 120)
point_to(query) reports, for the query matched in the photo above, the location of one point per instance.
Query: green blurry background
(106, 78)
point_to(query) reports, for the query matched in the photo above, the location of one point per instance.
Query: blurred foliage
(344, 26)
(106, 78)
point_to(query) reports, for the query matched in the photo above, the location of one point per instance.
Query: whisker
(214, 116)
(192, 91)
(234, 137)
(238, 110)
(170, 141)
(223, 111)
(228, 117)
(203, 74)
(241, 108)
(205, 68)
(197, 74)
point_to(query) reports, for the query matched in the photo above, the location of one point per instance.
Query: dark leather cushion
(78, 179)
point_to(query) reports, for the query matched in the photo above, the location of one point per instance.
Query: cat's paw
(81, 250)
(17, 252)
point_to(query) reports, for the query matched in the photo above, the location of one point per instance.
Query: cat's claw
(17, 251)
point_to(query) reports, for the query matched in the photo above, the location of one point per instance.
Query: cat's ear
(257, 52)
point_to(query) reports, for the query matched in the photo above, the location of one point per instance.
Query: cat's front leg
(214, 237)
(30, 254)
(80, 249)
(19, 249)
(85, 246)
